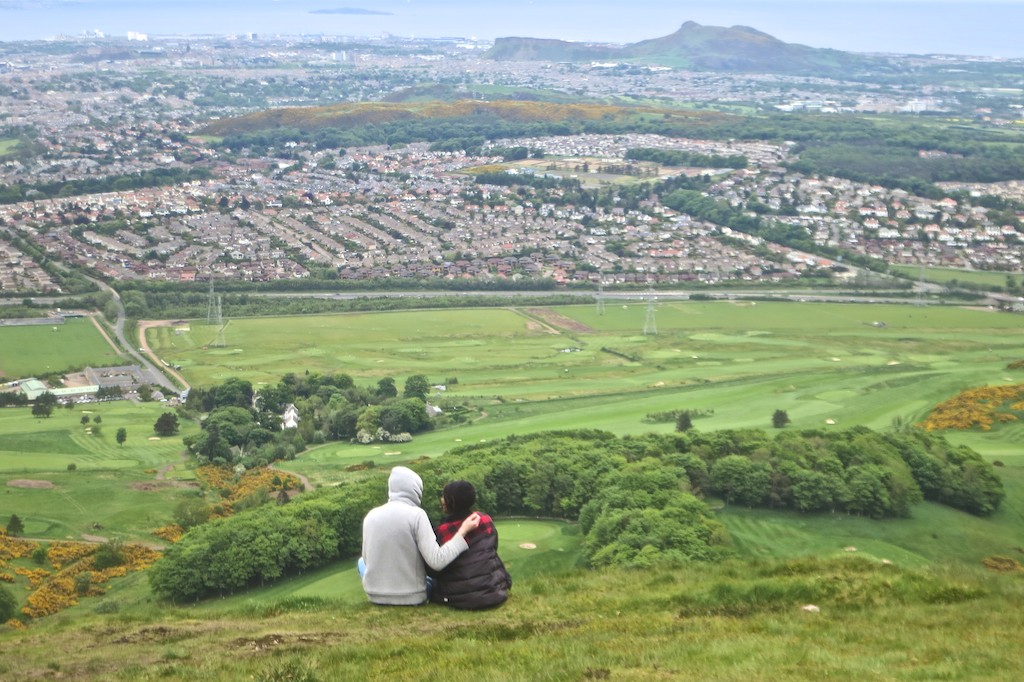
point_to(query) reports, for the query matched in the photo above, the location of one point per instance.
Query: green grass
(946, 275)
(944, 618)
(7, 146)
(734, 621)
(112, 492)
(41, 349)
(849, 364)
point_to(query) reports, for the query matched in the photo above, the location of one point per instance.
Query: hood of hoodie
(405, 485)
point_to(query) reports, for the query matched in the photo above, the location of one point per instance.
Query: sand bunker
(28, 483)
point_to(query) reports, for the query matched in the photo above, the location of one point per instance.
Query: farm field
(65, 480)
(38, 349)
(945, 275)
(523, 370)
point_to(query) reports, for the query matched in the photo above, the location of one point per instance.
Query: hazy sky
(986, 27)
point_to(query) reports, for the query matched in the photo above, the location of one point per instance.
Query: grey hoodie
(398, 539)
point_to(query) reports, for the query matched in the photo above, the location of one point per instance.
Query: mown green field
(946, 275)
(113, 490)
(40, 349)
(827, 365)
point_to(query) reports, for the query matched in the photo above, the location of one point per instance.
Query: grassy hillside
(356, 114)
(738, 621)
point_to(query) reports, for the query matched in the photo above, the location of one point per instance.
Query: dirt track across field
(144, 347)
(557, 320)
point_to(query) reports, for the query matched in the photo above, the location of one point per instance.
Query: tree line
(678, 157)
(244, 427)
(156, 177)
(638, 499)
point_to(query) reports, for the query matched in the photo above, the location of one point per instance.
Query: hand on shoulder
(471, 523)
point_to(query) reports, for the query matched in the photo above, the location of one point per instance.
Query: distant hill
(738, 49)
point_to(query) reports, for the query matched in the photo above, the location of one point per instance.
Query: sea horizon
(955, 27)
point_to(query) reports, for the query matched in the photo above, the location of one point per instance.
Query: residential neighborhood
(412, 211)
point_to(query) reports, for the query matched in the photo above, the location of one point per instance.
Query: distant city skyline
(986, 28)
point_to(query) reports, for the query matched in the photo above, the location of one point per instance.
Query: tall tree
(15, 526)
(44, 404)
(780, 418)
(416, 386)
(386, 388)
(122, 435)
(166, 424)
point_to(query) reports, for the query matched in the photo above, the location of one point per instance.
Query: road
(808, 295)
(129, 348)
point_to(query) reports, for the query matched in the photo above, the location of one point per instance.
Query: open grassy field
(113, 490)
(567, 367)
(934, 536)
(7, 145)
(946, 275)
(36, 349)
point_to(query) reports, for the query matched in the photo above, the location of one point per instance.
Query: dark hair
(459, 498)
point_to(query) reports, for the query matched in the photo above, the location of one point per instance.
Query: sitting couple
(399, 544)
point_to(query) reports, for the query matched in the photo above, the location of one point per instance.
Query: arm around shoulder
(438, 556)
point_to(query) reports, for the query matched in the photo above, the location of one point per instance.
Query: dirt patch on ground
(291, 640)
(159, 633)
(28, 483)
(76, 380)
(534, 326)
(558, 320)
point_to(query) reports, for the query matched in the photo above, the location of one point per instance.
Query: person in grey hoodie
(398, 539)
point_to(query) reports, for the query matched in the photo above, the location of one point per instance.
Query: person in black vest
(477, 579)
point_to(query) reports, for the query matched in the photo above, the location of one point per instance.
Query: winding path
(123, 341)
(307, 487)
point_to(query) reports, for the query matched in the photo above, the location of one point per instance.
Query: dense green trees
(678, 157)
(245, 427)
(637, 498)
(44, 404)
(265, 543)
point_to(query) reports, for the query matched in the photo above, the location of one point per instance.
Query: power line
(650, 323)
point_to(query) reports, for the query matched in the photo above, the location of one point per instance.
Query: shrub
(8, 606)
(109, 555)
